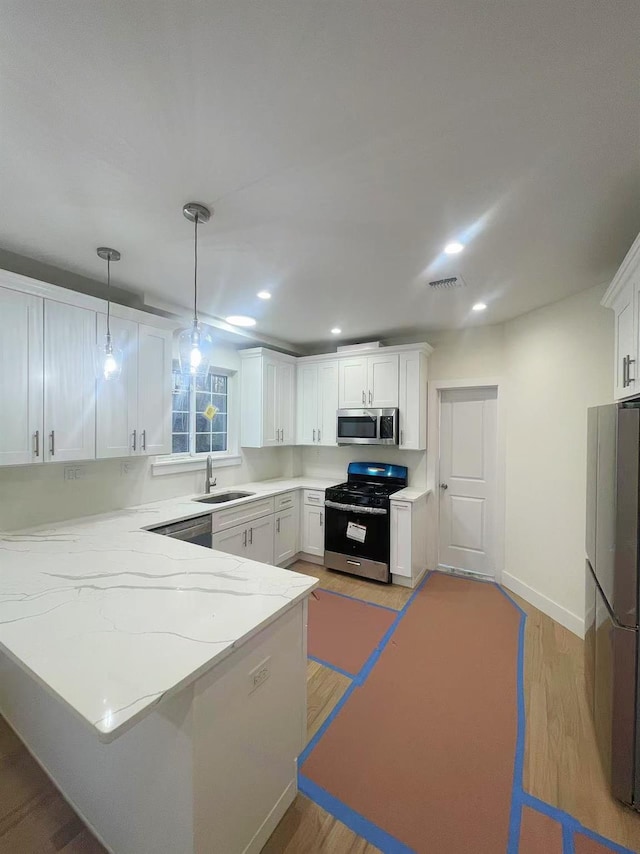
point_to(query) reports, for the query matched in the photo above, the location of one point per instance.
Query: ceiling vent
(448, 283)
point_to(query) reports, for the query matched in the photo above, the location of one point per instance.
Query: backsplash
(36, 495)
(333, 462)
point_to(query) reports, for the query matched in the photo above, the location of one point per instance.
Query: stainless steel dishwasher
(196, 530)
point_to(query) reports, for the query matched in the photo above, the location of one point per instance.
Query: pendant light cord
(195, 270)
(108, 299)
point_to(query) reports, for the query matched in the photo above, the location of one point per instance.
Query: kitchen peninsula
(161, 685)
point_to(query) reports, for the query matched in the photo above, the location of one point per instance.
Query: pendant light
(108, 357)
(195, 344)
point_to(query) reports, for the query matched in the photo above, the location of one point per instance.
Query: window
(200, 412)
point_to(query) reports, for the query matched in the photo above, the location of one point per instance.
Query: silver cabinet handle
(402, 437)
(318, 434)
(321, 520)
(370, 398)
(444, 486)
(143, 440)
(624, 371)
(135, 439)
(364, 397)
(630, 362)
(250, 536)
(36, 441)
(244, 540)
(52, 437)
(314, 434)
(278, 525)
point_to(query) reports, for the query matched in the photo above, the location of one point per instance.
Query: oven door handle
(356, 508)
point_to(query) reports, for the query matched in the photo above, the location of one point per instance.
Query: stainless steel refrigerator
(611, 640)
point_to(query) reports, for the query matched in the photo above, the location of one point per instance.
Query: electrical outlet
(259, 675)
(74, 472)
(125, 468)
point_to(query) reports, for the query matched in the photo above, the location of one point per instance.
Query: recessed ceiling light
(336, 330)
(453, 248)
(479, 306)
(241, 320)
(264, 295)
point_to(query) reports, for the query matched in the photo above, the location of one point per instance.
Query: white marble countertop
(111, 618)
(410, 493)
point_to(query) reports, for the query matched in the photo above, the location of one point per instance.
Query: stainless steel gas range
(357, 528)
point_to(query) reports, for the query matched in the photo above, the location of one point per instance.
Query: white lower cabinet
(401, 538)
(408, 541)
(313, 530)
(285, 538)
(260, 540)
(232, 541)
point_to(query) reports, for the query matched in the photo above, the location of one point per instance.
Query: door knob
(444, 486)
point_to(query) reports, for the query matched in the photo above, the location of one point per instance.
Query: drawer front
(286, 500)
(314, 497)
(232, 516)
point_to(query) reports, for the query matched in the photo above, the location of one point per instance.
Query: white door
(154, 386)
(270, 412)
(69, 382)
(353, 382)
(286, 402)
(233, 542)
(21, 365)
(117, 399)
(313, 530)
(468, 419)
(260, 540)
(286, 535)
(327, 402)
(307, 421)
(625, 371)
(382, 372)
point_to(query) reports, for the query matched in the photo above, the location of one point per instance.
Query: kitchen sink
(223, 497)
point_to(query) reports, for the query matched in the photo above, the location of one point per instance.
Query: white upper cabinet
(267, 393)
(155, 353)
(117, 433)
(69, 382)
(21, 367)
(368, 382)
(413, 401)
(623, 297)
(317, 403)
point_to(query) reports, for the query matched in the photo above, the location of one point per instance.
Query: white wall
(34, 495)
(555, 362)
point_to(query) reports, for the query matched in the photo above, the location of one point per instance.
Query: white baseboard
(561, 615)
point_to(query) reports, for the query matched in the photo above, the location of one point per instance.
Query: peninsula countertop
(111, 618)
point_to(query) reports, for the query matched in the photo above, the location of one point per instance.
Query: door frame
(435, 389)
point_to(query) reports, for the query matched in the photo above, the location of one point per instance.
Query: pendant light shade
(195, 344)
(108, 361)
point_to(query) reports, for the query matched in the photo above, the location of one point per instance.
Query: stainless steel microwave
(367, 427)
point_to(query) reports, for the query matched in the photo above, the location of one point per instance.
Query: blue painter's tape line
(331, 666)
(515, 817)
(354, 820)
(511, 599)
(567, 840)
(356, 599)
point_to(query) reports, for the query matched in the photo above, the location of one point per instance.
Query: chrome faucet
(208, 484)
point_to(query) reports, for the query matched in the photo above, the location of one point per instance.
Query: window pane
(218, 384)
(181, 401)
(203, 399)
(219, 424)
(180, 422)
(203, 443)
(220, 402)
(219, 442)
(180, 443)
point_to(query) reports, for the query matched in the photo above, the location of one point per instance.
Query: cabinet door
(21, 355)
(260, 540)
(154, 384)
(69, 382)
(625, 371)
(413, 402)
(117, 399)
(382, 372)
(286, 535)
(353, 383)
(313, 530)
(307, 420)
(233, 542)
(270, 411)
(327, 402)
(286, 395)
(400, 545)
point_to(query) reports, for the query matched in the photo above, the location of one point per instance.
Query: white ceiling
(341, 143)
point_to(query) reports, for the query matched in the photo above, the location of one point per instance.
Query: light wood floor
(561, 760)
